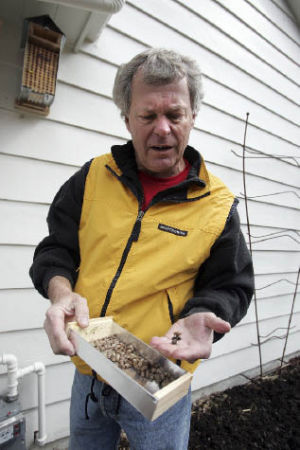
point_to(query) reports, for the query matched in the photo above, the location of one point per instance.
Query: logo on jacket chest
(172, 230)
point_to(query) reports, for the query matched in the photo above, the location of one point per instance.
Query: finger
(58, 339)
(165, 348)
(55, 328)
(73, 341)
(192, 354)
(81, 311)
(156, 341)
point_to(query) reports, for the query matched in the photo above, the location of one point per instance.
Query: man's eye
(147, 118)
(175, 117)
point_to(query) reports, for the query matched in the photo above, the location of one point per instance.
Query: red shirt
(152, 185)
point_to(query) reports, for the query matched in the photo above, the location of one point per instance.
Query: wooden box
(145, 395)
(43, 42)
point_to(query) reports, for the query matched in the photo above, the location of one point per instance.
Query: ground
(263, 414)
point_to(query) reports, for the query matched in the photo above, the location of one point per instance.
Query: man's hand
(196, 334)
(66, 306)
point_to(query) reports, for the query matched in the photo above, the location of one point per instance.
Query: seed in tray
(126, 356)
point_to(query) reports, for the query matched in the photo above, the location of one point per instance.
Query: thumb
(218, 325)
(81, 312)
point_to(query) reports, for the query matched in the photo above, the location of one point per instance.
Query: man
(147, 235)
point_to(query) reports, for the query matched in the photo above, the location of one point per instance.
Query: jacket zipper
(132, 238)
(134, 235)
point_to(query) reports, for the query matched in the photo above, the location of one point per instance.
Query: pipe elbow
(41, 441)
(10, 361)
(39, 368)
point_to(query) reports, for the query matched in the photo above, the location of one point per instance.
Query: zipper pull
(137, 226)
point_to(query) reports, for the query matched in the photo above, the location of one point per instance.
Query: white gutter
(13, 374)
(108, 6)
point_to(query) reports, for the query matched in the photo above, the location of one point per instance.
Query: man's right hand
(66, 306)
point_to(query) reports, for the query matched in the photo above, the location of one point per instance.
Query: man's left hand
(196, 334)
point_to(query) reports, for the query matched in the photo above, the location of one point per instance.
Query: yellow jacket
(140, 267)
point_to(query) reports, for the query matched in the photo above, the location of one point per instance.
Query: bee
(176, 337)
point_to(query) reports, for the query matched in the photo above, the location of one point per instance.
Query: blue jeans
(111, 413)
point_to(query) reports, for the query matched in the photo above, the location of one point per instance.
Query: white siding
(249, 55)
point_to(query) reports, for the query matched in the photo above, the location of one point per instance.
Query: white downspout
(13, 374)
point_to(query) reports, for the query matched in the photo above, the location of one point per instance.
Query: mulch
(262, 414)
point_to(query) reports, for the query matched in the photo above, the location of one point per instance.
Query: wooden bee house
(42, 41)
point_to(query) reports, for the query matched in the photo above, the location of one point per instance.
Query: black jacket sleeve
(225, 282)
(58, 253)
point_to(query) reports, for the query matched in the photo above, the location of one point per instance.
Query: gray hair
(159, 66)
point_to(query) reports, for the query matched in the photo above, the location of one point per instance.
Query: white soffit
(98, 14)
(295, 8)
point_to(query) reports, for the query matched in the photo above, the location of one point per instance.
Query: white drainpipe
(13, 374)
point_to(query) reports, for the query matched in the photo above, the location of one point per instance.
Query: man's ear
(127, 123)
(194, 118)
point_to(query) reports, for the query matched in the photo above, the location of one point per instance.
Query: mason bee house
(142, 375)
(42, 42)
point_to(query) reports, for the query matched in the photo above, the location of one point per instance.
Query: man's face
(160, 120)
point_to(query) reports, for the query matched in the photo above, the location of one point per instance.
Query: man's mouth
(161, 148)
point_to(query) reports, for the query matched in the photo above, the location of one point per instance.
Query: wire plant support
(260, 155)
(250, 242)
(293, 234)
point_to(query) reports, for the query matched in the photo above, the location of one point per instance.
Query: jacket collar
(124, 157)
(125, 168)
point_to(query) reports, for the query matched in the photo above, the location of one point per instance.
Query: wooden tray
(144, 395)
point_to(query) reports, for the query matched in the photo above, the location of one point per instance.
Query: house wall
(249, 55)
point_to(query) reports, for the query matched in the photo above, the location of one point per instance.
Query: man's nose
(162, 126)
